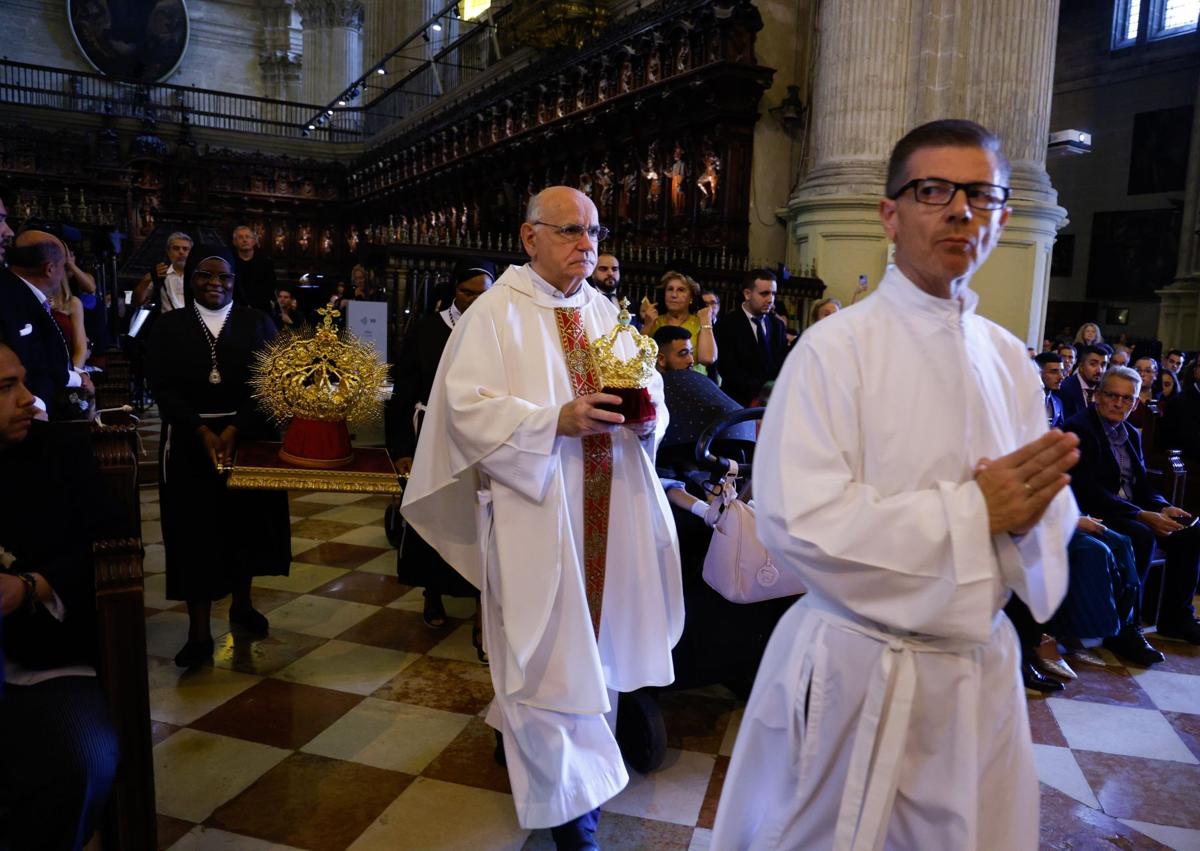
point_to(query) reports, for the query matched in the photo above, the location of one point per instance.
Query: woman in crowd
(679, 298)
(1088, 335)
(216, 539)
(67, 311)
(824, 307)
(1170, 386)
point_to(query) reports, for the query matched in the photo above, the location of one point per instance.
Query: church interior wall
(1101, 91)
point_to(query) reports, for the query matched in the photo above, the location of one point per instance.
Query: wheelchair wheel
(641, 731)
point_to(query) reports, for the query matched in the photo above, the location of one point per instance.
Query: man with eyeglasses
(1111, 483)
(888, 709)
(571, 540)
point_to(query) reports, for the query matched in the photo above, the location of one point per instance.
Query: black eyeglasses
(203, 278)
(596, 233)
(939, 193)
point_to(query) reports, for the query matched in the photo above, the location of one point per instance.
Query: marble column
(1179, 312)
(332, 47)
(885, 66)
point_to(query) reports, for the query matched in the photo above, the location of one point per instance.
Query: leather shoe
(1056, 668)
(195, 653)
(1037, 681)
(1188, 631)
(1130, 644)
(251, 620)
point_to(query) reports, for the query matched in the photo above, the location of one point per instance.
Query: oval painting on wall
(142, 40)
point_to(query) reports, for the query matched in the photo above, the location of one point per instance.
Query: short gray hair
(180, 236)
(533, 210)
(1122, 372)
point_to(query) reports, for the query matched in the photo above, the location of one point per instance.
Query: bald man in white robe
(904, 469)
(551, 506)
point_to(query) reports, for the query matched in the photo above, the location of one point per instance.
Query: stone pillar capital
(330, 14)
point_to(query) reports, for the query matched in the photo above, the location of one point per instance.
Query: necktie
(1049, 409)
(763, 344)
(46, 307)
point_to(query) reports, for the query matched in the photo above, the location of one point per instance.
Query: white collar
(219, 313)
(548, 288)
(904, 293)
(41, 296)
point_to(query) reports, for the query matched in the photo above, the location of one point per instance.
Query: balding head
(564, 260)
(39, 258)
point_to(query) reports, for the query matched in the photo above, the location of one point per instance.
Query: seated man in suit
(674, 348)
(1110, 482)
(751, 342)
(37, 262)
(1051, 366)
(58, 745)
(1077, 391)
(1066, 351)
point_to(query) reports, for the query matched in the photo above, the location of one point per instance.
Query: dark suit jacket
(744, 369)
(1096, 479)
(413, 375)
(1059, 418)
(48, 513)
(254, 282)
(42, 349)
(1071, 394)
(1180, 427)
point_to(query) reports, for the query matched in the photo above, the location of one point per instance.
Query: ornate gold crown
(319, 377)
(636, 372)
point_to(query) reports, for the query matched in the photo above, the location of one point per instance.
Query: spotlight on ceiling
(312, 127)
(342, 100)
(381, 70)
(437, 26)
(354, 93)
(329, 112)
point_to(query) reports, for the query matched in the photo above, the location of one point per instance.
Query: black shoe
(1132, 646)
(1188, 631)
(578, 834)
(434, 613)
(498, 753)
(1037, 681)
(251, 620)
(195, 653)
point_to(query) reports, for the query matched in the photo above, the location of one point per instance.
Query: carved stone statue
(678, 192)
(653, 178)
(709, 180)
(581, 94)
(326, 240)
(653, 67)
(683, 55)
(629, 181)
(604, 184)
(585, 182)
(626, 80)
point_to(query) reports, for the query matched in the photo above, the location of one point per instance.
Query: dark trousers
(1179, 574)
(60, 756)
(1029, 631)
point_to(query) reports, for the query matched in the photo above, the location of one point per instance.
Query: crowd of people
(917, 505)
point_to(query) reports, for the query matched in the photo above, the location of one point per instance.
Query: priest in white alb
(905, 471)
(549, 504)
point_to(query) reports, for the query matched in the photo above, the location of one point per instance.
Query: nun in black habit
(216, 539)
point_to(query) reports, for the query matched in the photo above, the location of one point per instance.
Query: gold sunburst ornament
(314, 385)
(627, 378)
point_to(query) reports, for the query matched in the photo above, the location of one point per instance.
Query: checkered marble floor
(353, 725)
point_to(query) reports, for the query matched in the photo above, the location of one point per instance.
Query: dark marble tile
(1113, 685)
(462, 687)
(333, 554)
(263, 656)
(470, 760)
(712, 796)
(397, 630)
(278, 713)
(1188, 728)
(618, 832)
(361, 587)
(160, 731)
(694, 723)
(171, 830)
(1068, 825)
(309, 801)
(1157, 791)
(375, 500)
(322, 530)
(306, 509)
(1182, 658)
(1043, 725)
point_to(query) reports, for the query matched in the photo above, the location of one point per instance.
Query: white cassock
(889, 710)
(500, 496)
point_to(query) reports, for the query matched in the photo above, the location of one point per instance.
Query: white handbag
(737, 566)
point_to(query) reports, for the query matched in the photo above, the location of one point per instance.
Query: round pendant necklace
(214, 375)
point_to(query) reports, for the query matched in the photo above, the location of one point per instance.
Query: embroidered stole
(597, 460)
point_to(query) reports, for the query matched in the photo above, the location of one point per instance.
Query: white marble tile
(300, 545)
(151, 532)
(701, 839)
(155, 559)
(179, 697)
(154, 592)
(302, 578)
(674, 793)
(730, 737)
(367, 536)
(1175, 838)
(457, 645)
(389, 735)
(321, 616)
(211, 839)
(352, 514)
(196, 772)
(413, 601)
(1171, 692)
(383, 564)
(329, 498)
(166, 632)
(345, 666)
(431, 814)
(1057, 767)
(151, 511)
(1123, 730)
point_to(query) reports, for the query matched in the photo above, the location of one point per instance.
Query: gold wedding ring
(1028, 487)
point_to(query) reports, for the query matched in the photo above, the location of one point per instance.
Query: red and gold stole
(597, 460)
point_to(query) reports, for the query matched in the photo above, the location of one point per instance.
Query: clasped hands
(220, 447)
(1019, 487)
(583, 416)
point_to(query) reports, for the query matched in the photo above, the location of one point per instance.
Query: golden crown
(638, 371)
(319, 377)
